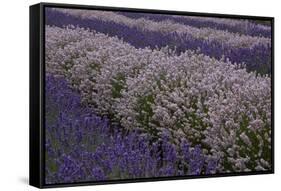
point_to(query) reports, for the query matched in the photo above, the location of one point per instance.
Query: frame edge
(34, 96)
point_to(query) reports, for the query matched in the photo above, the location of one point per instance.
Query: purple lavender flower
(257, 58)
(237, 26)
(81, 146)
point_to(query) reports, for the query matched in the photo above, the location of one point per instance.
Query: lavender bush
(246, 27)
(150, 97)
(255, 52)
(81, 146)
(167, 26)
(192, 95)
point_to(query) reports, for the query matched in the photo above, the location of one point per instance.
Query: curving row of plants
(256, 58)
(81, 146)
(210, 102)
(168, 26)
(241, 26)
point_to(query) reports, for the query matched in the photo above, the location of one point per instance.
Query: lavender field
(140, 95)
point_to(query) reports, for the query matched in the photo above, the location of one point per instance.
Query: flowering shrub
(136, 98)
(194, 96)
(80, 146)
(256, 56)
(167, 26)
(208, 102)
(236, 26)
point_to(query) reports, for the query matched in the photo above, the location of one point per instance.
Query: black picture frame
(37, 95)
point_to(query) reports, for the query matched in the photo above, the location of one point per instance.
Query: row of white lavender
(168, 26)
(213, 103)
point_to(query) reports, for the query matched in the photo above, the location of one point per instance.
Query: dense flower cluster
(255, 52)
(80, 146)
(210, 102)
(131, 95)
(168, 26)
(237, 26)
(207, 101)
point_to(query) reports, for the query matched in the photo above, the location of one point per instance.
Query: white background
(14, 91)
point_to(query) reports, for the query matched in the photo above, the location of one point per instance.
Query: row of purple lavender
(256, 57)
(171, 86)
(80, 146)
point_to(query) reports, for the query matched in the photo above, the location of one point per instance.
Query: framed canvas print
(127, 95)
